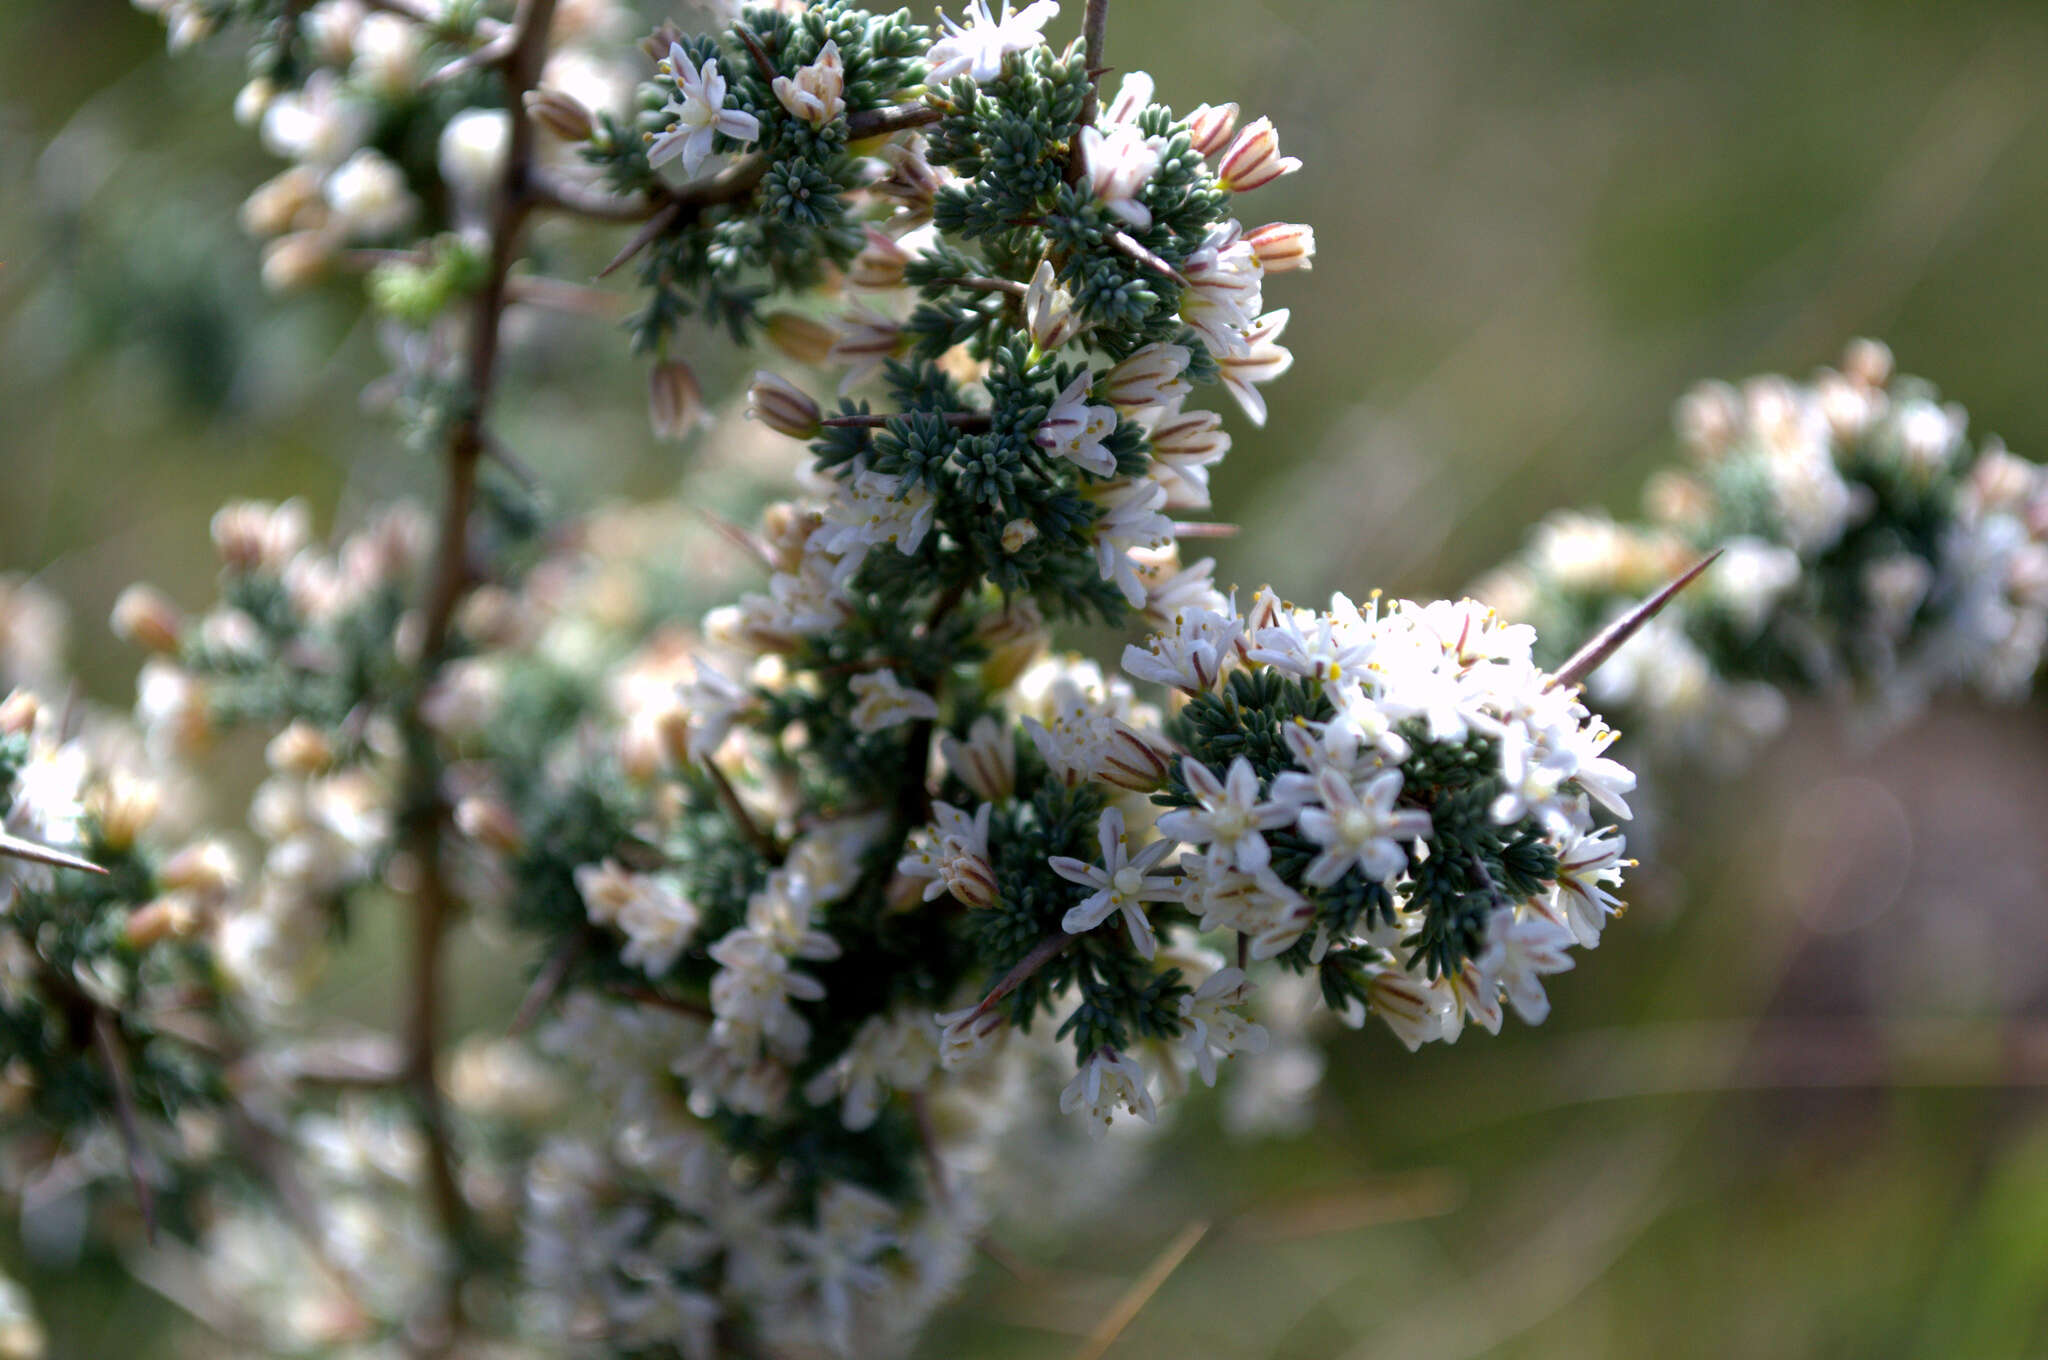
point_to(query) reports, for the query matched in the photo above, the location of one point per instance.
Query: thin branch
(555, 191)
(756, 834)
(888, 122)
(663, 219)
(1041, 954)
(562, 295)
(982, 285)
(114, 1054)
(647, 996)
(1608, 640)
(1156, 1275)
(546, 983)
(427, 812)
(959, 420)
(1130, 246)
(1094, 39)
(759, 53)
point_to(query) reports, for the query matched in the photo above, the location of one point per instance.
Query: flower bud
(880, 263)
(1133, 760)
(1868, 362)
(300, 749)
(814, 92)
(560, 113)
(204, 869)
(166, 918)
(782, 406)
(1283, 246)
(145, 617)
(1018, 534)
(675, 404)
(1049, 312)
(18, 713)
(472, 152)
(253, 99)
(124, 806)
(1254, 159)
(294, 261)
(274, 206)
(800, 337)
(259, 536)
(487, 821)
(1210, 126)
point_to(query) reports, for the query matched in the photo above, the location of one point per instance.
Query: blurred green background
(1792, 1106)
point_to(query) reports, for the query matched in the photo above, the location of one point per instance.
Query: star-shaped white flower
(1359, 827)
(1228, 817)
(699, 114)
(1123, 883)
(1076, 431)
(977, 47)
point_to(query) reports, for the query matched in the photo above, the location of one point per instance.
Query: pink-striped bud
(1210, 126)
(1152, 376)
(675, 404)
(1133, 760)
(1195, 437)
(1254, 159)
(801, 338)
(561, 113)
(783, 407)
(1283, 246)
(880, 263)
(145, 616)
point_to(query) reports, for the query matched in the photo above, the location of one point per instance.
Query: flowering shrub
(1871, 552)
(829, 890)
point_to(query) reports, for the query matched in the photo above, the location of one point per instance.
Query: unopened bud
(253, 99)
(800, 337)
(276, 205)
(487, 821)
(169, 917)
(1283, 246)
(1868, 362)
(1018, 535)
(1254, 159)
(880, 263)
(561, 113)
(255, 535)
(1133, 760)
(294, 261)
(783, 407)
(124, 807)
(205, 869)
(675, 404)
(145, 617)
(1210, 126)
(18, 713)
(300, 749)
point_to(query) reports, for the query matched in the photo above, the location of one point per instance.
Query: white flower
(1185, 445)
(700, 113)
(780, 915)
(871, 510)
(658, 922)
(1131, 519)
(1049, 313)
(1120, 163)
(1076, 430)
(977, 48)
(1225, 289)
(814, 92)
(1153, 375)
(368, 194)
(750, 996)
(715, 702)
(953, 854)
(1212, 1029)
(1191, 654)
(1269, 914)
(1107, 1080)
(1122, 883)
(882, 701)
(1416, 1010)
(895, 1052)
(1264, 358)
(968, 1035)
(1228, 816)
(472, 153)
(1359, 828)
(986, 762)
(1530, 949)
(1133, 96)
(1586, 865)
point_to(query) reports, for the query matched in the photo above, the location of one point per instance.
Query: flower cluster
(820, 883)
(1871, 551)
